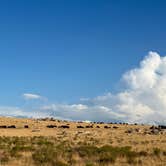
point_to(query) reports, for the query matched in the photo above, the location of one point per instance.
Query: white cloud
(30, 96)
(78, 111)
(11, 111)
(142, 101)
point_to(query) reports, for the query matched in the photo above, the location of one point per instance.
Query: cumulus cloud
(77, 112)
(30, 96)
(142, 101)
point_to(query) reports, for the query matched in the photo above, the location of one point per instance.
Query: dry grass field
(48, 142)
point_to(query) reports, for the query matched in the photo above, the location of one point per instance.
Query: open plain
(49, 142)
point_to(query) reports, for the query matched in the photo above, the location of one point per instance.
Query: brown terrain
(49, 142)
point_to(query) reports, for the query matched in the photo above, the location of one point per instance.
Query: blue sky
(66, 50)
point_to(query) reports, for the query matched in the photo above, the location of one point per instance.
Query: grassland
(97, 146)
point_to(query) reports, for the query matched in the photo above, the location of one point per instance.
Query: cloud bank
(11, 111)
(143, 100)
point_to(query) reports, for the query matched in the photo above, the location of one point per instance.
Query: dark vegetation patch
(108, 154)
(49, 151)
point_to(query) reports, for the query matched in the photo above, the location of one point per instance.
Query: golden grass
(39, 145)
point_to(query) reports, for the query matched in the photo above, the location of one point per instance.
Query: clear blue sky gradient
(68, 49)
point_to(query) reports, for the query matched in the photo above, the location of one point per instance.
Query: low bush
(48, 151)
(156, 151)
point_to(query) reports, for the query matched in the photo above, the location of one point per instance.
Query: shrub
(107, 154)
(4, 157)
(143, 153)
(156, 151)
(89, 164)
(87, 150)
(164, 153)
(44, 154)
